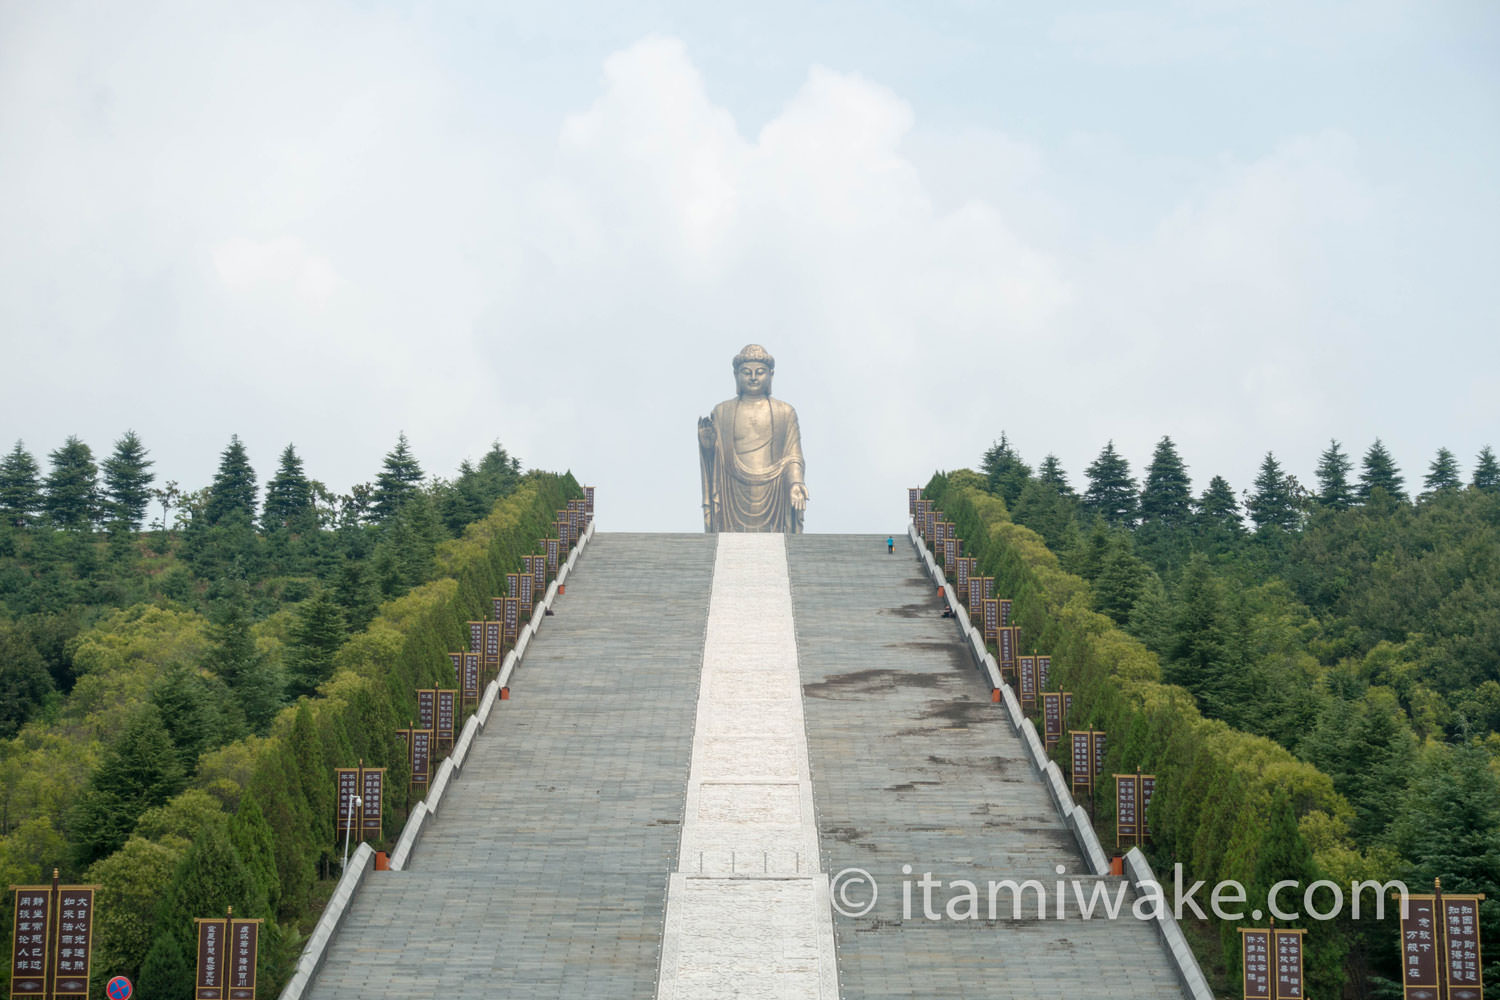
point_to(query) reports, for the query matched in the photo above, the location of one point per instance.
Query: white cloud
(325, 226)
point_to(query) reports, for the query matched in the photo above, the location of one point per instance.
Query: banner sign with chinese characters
(244, 944)
(528, 592)
(1440, 947)
(1043, 672)
(426, 707)
(227, 951)
(1132, 799)
(950, 552)
(975, 594)
(539, 575)
(1255, 961)
(470, 683)
(1288, 963)
(494, 641)
(588, 500)
(1461, 942)
(447, 710)
(53, 934)
(1053, 718)
(1081, 765)
(476, 637)
(989, 613)
(510, 620)
(1008, 641)
(368, 785)
(1028, 683)
(458, 667)
(912, 492)
(553, 555)
(1088, 757)
(211, 948)
(28, 949)
(1005, 605)
(372, 783)
(961, 568)
(418, 755)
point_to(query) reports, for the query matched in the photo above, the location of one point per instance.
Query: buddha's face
(753, 378)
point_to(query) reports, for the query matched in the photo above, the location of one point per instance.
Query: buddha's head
(753, 368)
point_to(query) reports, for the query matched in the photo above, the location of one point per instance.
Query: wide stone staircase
(551, 866)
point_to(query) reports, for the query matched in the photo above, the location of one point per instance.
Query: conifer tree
(1486, 470)
(1219, 510)
(1333, 478)
(1111, 492)
(1005, 472)
(1167, 497)
(398, 481)
(255, 681)
(232, 497)
(1380, 472)
(72, 498)
(20, 489)
(316, 635)
(127, 481)
(1051, 472)
(289, 497)
(140, 770)
(1271, 501)
(1443, 474)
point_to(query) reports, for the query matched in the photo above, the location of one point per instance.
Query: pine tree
(1004, 470)
(72, 498)
(1333, 478)
(1271, 501)
(256, 683)
(1486, 470)
(1167, 496)
(316, 636)
(289, 497)
(1051, 472)
(1380, 472)
(127, 481)
(165, 972)
(1443, 474)
(1111, 491)
(398, 480)
(232, 497)
(140, 770)
(1218, 510)
(20, 491)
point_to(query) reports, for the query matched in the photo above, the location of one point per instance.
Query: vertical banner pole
(1440, 922)
(54, 937)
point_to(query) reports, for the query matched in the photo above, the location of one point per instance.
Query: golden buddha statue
(751, 452)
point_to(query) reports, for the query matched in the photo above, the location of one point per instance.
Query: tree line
(1352, 623)
(72, 548)
(172, 699)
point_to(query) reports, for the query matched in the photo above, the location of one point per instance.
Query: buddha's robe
(747, 483)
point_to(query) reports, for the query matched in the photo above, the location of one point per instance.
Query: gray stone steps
(913, 765)
(544, 872)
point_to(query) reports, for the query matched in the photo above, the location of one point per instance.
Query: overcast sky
(1249, 226)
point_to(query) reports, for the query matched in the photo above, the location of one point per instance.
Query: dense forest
(1352, 622)
(160, 649)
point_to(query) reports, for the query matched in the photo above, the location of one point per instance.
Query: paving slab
(544, 872)
(914, 771)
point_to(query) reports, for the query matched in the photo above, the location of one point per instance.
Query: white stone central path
(747, 910)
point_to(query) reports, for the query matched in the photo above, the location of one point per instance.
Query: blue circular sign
(118, 988)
